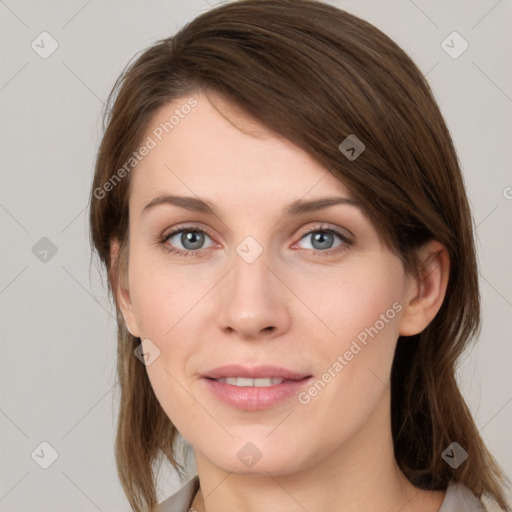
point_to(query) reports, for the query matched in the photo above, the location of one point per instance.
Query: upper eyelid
(174, 231)
(325, 226)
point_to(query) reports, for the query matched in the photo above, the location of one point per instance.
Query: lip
(252, 398)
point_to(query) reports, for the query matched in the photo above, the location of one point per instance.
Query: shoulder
(181, 501)
(460, 498)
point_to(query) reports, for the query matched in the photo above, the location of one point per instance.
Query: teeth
(244, 381)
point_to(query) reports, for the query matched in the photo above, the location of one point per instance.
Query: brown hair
(314, 74)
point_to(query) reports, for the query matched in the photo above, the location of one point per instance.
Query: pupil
(321, 237)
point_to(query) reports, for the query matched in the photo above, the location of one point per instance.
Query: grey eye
(322, 239)
(190, 239)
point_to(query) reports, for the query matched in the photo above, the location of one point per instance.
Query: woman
(279, 206)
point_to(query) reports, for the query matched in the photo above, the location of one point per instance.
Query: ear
(119, 280)
(425, 296)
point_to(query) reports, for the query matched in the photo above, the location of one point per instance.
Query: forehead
(215, 150)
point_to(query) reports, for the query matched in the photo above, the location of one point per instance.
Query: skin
(288, 307)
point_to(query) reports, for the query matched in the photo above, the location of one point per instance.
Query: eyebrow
(297, 207)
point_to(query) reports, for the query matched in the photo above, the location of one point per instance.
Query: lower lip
(251, 398)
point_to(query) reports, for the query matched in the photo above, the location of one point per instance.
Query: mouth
(255, 388)
(254, 373)
(242, 382)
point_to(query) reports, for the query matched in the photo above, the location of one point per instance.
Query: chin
(253, 459)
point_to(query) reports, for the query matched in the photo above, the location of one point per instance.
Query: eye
(323, 240)
(190, 238)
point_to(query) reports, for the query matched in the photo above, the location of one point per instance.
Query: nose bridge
(251, 270)
(252, 299)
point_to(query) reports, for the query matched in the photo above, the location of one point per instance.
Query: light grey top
(458, 498)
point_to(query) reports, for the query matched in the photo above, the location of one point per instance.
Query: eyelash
(346, 242)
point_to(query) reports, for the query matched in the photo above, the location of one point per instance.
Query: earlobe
(119, 281)
(424, 297)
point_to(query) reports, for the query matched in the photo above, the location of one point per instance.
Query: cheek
(167, 304)
(374, 319)
(355, 356)
(358, 303)
(371, 315)
(163, 295)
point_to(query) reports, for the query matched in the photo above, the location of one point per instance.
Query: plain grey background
(58, 333)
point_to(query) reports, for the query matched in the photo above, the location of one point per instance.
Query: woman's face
(273, 284)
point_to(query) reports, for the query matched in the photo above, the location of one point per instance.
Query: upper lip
(254, 372)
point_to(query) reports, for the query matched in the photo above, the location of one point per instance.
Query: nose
(253, 300)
